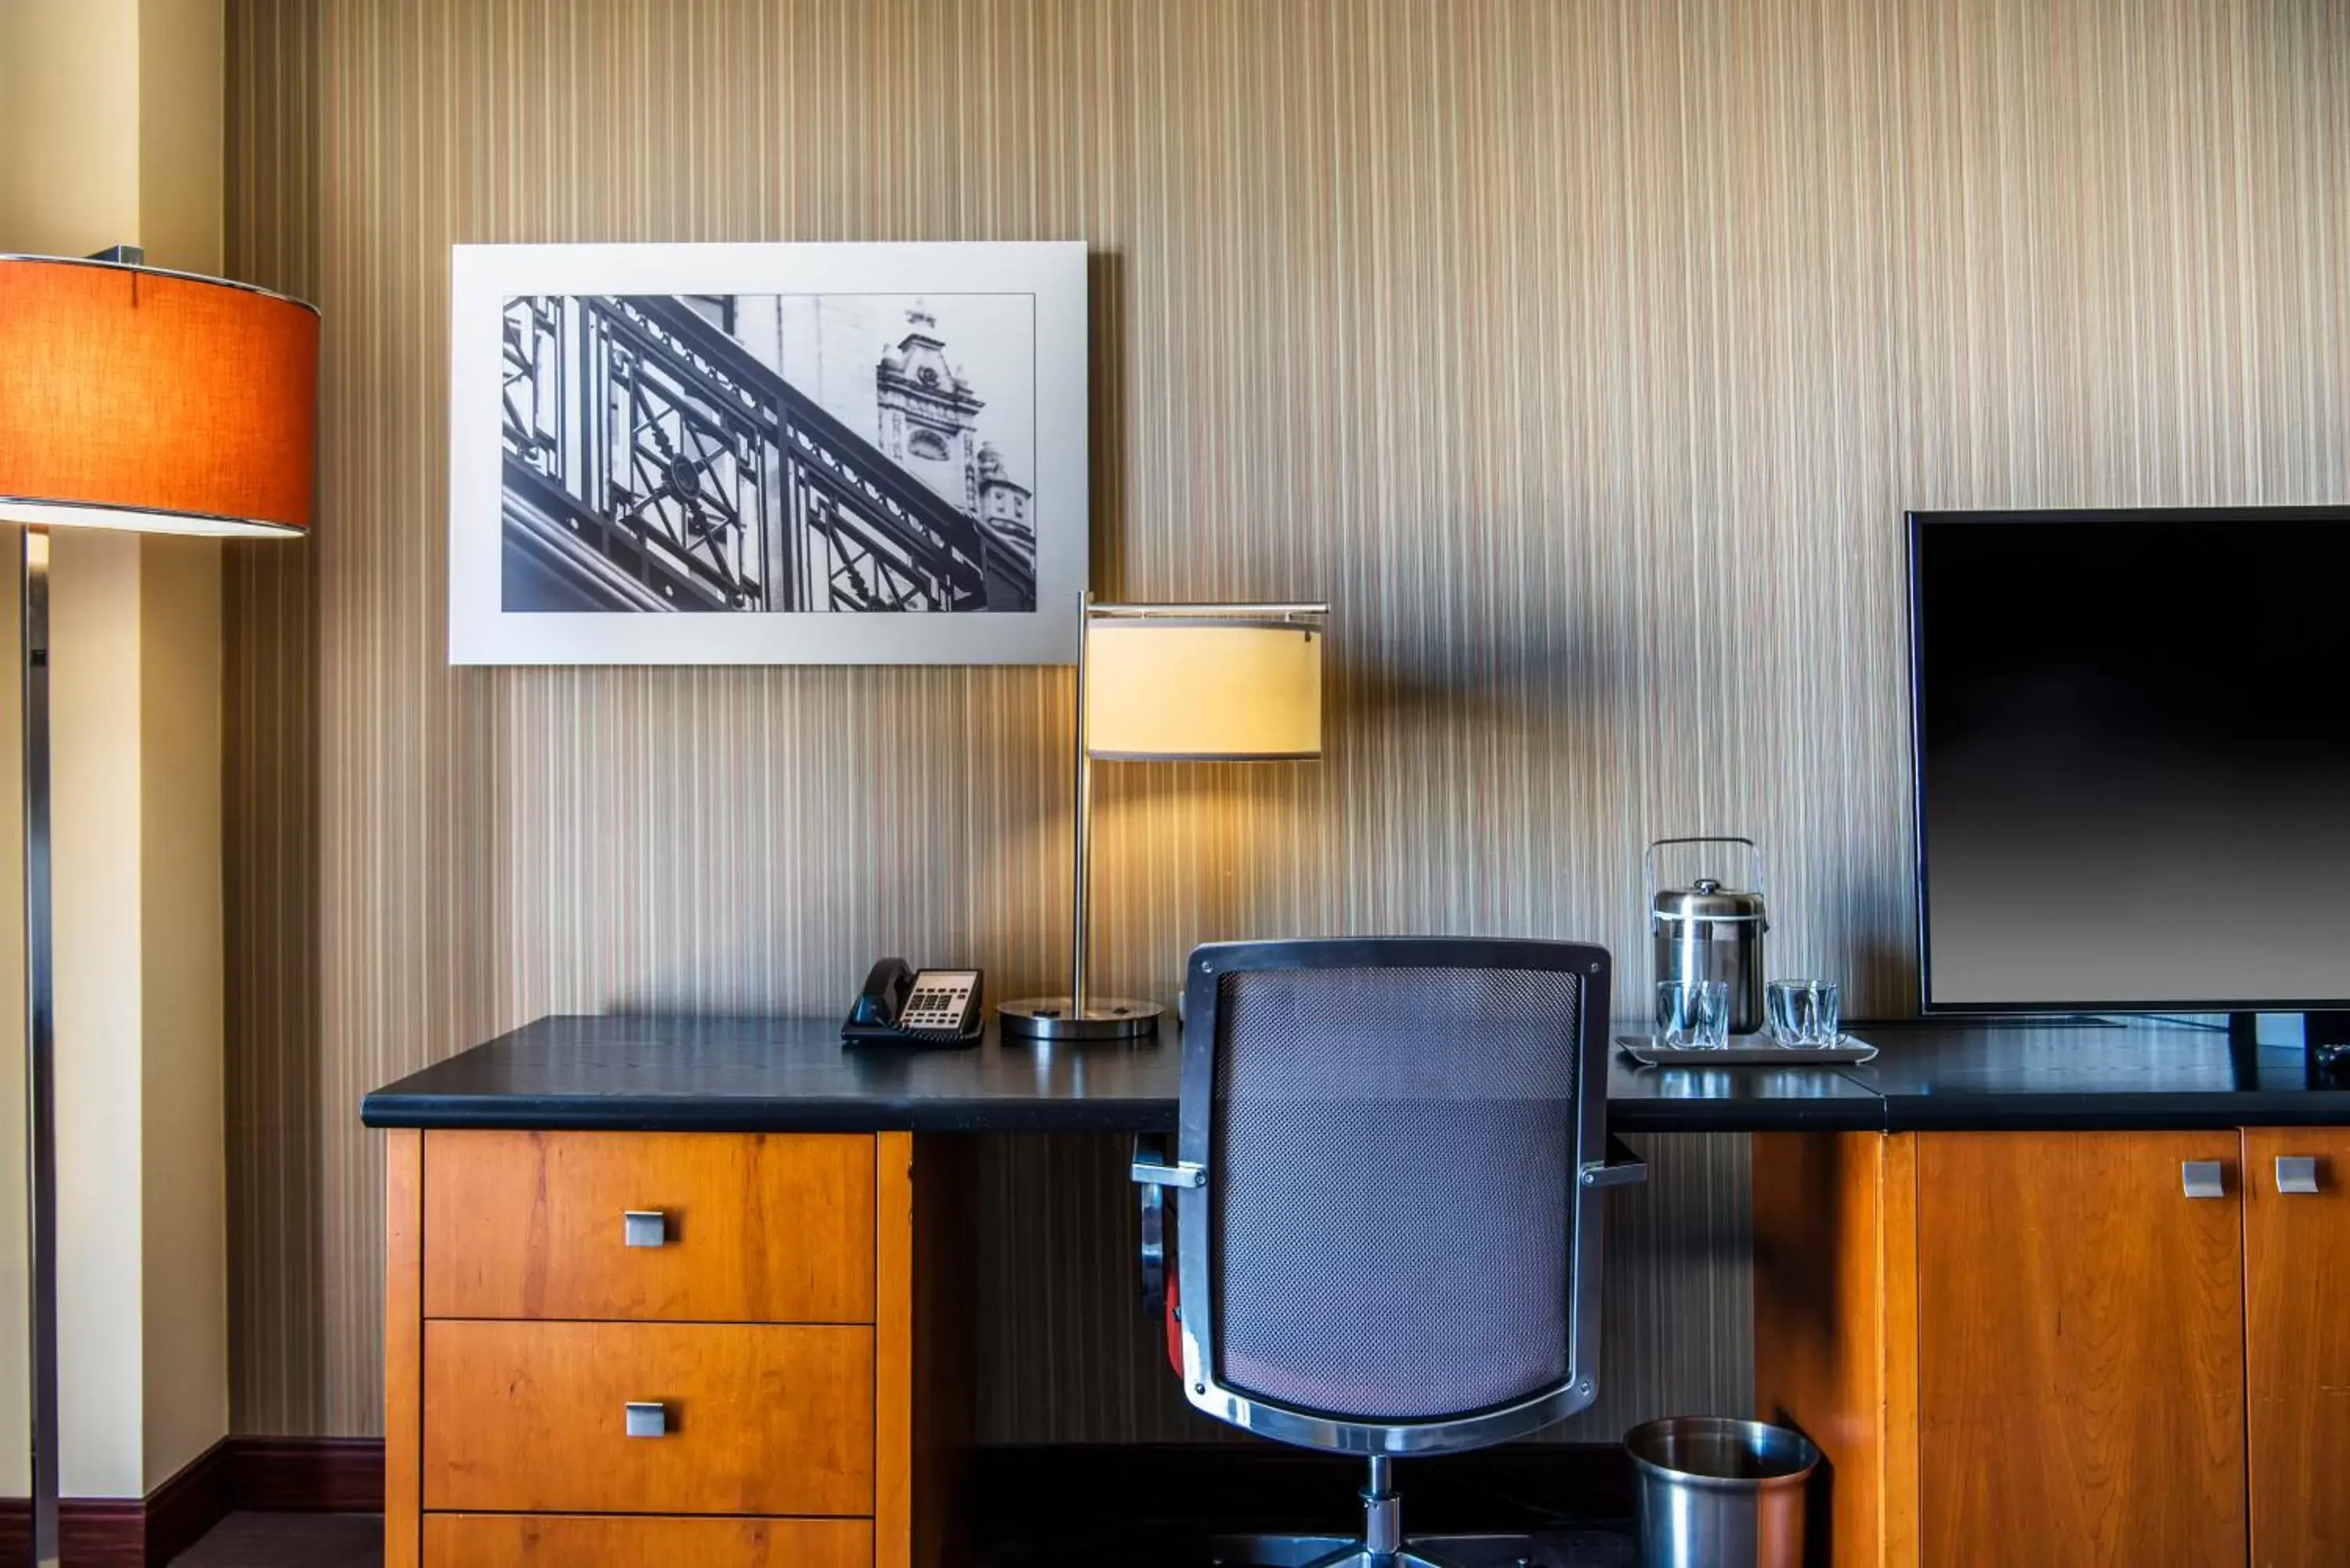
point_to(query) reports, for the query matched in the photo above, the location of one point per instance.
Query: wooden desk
(1979, 1285)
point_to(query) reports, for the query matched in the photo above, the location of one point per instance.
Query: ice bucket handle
(1649, 864)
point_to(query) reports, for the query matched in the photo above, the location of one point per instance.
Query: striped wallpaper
(1582, 353)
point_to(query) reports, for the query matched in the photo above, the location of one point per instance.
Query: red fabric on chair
(1174, 1328)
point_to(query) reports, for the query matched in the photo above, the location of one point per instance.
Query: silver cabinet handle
(646, 1419)
(2203, 1178)
(644, 1227)
(2296, 1174)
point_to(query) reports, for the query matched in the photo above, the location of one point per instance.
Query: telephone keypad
(940, 1000)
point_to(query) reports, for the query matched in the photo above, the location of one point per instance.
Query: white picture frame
(766, 453)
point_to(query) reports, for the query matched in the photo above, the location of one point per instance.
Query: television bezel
(1917, 523)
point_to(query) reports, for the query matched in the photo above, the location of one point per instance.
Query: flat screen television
(2132, 736)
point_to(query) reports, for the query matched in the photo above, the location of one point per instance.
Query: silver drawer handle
(647, 1418)
(2296, 1174)
(2203, 1179)
(644, 1227)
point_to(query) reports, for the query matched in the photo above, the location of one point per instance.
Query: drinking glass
(1803, 1012)
(1693, 1015)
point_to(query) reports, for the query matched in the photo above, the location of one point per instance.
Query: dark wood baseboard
(177, 1513)
(109, 1531)
(305, 1475)
(121, 1532)
(272, 1475)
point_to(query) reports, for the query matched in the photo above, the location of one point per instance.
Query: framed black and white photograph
(766, 453)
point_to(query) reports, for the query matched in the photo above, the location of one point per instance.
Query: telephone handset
(901, 1006)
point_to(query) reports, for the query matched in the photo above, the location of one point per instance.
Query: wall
(183, 1325)
(184, 1174)
(111, 132)
(94, 676)
(182, 104)
(62, 68)
(51, 56)
(1583, 354)
(58, 68)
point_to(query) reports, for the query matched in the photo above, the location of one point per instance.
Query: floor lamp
(135, 399)
(1226, 683)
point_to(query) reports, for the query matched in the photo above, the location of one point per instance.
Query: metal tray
(1748, 1051)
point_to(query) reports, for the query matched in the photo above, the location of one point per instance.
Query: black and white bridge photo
(769, 453)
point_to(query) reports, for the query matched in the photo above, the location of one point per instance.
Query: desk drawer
(571, 1540)
(531, 1418)
(738, 1228)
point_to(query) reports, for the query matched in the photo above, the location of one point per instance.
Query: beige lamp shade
(1230, 688)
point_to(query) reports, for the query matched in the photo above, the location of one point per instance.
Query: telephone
(899, 1006)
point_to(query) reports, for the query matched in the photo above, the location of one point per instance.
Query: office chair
(1387, 1188)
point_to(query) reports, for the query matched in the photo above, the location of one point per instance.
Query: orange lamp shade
(132, 398)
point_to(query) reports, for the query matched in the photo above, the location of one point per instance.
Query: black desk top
(653, 1072)
(2022, 1077)
(664, 1072)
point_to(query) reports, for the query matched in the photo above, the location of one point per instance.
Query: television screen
(2133, 759)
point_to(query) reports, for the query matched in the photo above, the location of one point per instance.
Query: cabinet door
(2297, 1346)
(2081, 1364)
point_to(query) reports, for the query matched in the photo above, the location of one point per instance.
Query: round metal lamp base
(1103, 1018)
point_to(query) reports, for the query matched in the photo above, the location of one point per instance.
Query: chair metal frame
(1598, 1163)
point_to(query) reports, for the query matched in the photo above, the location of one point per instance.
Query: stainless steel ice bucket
(1709, 931)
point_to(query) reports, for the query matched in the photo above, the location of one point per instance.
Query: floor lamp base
(1102, 1018)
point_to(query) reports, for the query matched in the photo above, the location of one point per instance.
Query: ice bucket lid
(1705, 901)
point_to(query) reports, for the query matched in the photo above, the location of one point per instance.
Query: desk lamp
(1174, 683)
(136, 399)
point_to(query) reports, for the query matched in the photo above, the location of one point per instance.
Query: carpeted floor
(289, 1541)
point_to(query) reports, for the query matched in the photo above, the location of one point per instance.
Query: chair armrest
(1153, 1175)
(1154, 1168)
(1622, 1167)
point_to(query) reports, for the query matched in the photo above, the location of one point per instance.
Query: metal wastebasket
(1716, 1492)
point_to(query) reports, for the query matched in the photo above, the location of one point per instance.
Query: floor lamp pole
(40, 1051)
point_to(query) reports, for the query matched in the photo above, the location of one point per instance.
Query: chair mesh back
(1391, 1187)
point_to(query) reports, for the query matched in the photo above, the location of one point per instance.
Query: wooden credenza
(2062, 1347)
(1980, 1282)
(715, 1350)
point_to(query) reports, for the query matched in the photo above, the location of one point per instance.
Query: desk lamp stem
(1080, 1015)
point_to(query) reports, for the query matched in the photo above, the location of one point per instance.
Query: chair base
(1351, 1552)
(1382, 1544)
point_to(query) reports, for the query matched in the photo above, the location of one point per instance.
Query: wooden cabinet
(2080, 1350)
(753, 1297)
(2044, 1348)
(2297, 1345)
